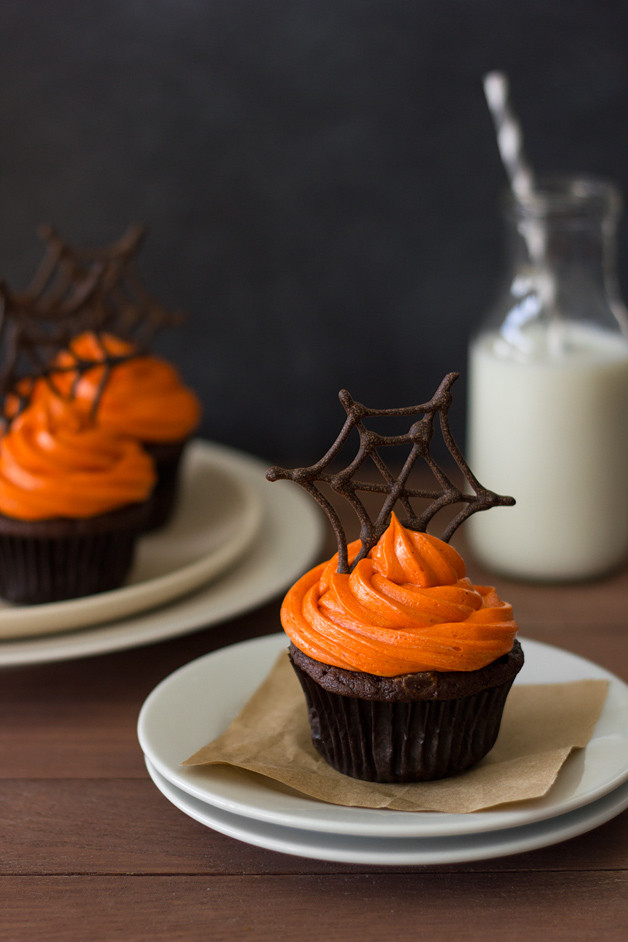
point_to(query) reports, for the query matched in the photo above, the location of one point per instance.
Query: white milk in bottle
(548, 396)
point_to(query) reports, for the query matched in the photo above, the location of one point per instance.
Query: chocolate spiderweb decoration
(72, 291)
(31, 339)
(395, 489)
(119, 302)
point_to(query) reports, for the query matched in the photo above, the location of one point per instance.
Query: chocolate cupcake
(73, 500)
(404, 663)
(142, 397)
(81, 333)
(414, 724)
(409, 728)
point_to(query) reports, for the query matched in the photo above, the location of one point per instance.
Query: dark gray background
(320, 177)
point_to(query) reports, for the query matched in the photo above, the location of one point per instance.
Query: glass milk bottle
(548, 392)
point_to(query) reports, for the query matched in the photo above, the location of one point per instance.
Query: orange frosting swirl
(56, 462)
(144, 397)
(406, 607)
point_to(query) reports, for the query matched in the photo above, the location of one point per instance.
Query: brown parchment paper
(542, 723)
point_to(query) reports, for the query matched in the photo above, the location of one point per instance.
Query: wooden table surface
(89, 849)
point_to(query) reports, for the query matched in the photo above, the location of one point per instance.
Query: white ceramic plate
(288, 543)
(395, 851)
(216, 518)
(196, 703)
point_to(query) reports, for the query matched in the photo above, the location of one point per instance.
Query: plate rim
(238, 591)
(362, 821)
(414, 851)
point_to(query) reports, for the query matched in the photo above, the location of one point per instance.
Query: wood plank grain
(126, 826)
(78, 718)
(406, 906)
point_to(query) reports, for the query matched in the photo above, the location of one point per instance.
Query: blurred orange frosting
(143, 397)
(56, 462)
(406, 607)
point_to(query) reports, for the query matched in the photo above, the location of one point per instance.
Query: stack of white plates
(235, 542)
(197, 703)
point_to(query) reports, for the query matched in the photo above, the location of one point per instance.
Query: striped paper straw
(522, 185)
(509, 137)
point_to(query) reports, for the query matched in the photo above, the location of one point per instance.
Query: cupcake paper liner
(402, 741)
(167, 458)
(53, 560)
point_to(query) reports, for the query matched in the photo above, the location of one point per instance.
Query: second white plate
(289, 541)
(216, 518)
(399, 851)
(196, 703)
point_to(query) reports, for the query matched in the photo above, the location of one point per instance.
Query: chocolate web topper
(73, 291)
(30, 340)
(395, 489)
(119, 302)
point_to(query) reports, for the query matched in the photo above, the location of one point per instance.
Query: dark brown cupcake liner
(403, 740)
(53, 560)
(167, 457)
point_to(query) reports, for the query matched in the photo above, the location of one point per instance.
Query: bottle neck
(562, 246)
(584, 250)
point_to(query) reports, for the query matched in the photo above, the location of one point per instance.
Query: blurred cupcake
(74, 497)
(139, 396)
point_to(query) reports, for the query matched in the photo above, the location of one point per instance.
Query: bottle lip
(566, 195)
